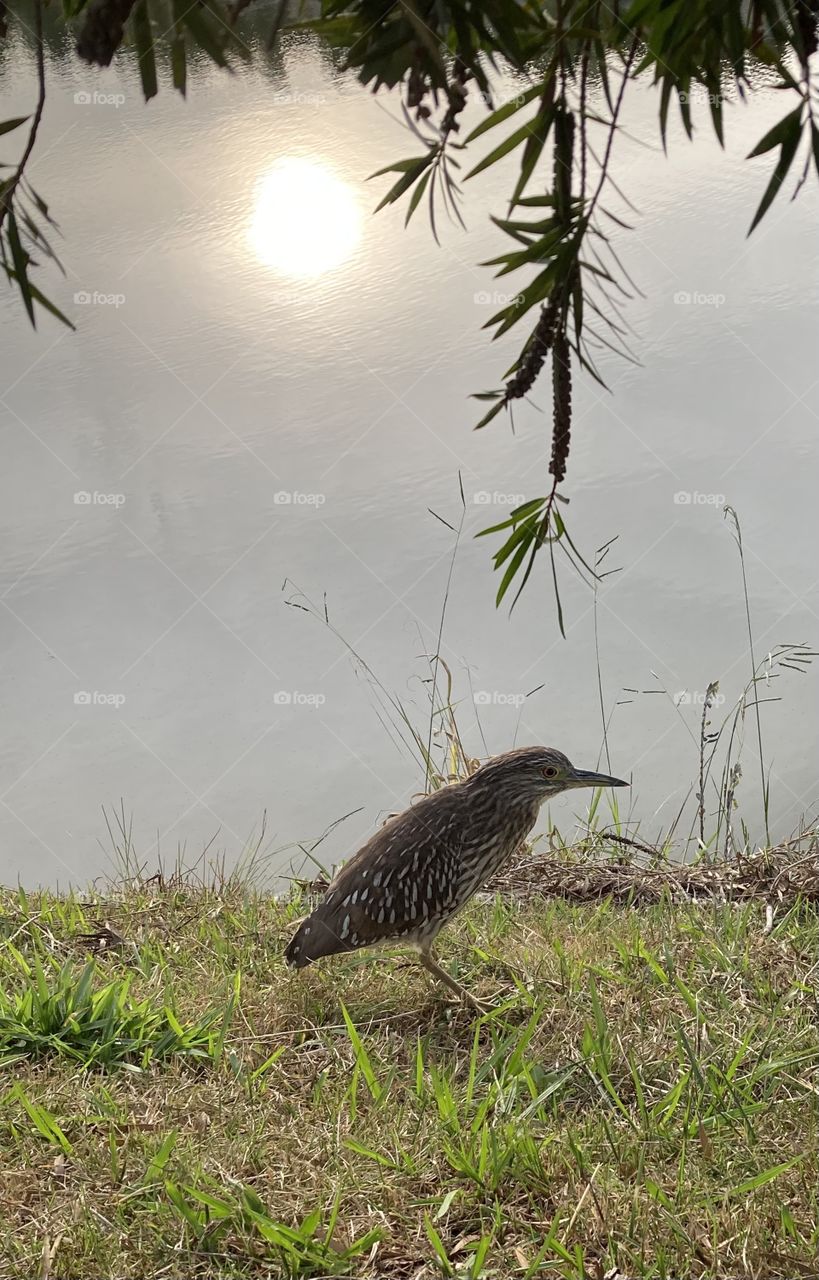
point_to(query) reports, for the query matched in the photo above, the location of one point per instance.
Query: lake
(265, 399)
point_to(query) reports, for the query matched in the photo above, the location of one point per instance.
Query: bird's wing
(405, 874)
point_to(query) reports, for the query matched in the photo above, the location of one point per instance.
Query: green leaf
(535, 291)
(503, 113)
(417, 195)
(760, 1179)
(487, 418)
(400, 166)
(778, 134)
(514, 140)
(405, 181)
(144, 41)
(514, 565)
(438, 1245)
(787, 152)
(197, 20)
(6, 126)
(20, 259)
(362, 1057)
(179, 65)
(532, 152)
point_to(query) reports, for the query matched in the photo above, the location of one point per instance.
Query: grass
(644, 1094)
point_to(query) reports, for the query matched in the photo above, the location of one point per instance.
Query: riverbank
(177, 1103)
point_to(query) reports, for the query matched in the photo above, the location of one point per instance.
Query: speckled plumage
(424, 865)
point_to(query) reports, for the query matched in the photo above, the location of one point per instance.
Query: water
(228, 359)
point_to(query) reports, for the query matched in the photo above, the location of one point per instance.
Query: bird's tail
(312, 940)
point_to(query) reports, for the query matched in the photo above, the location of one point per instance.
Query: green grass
(643, 1095)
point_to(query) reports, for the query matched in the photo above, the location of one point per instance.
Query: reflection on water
(234, 433)
(305, 220)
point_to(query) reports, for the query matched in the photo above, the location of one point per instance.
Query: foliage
(64, 1012)
(577, 59)
(642, 1096)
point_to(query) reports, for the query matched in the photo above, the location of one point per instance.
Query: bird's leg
(429, 963)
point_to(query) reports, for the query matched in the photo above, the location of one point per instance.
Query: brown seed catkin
(534, 356)
(562, 405)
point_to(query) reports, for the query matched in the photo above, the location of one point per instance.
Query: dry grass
(643, 1096)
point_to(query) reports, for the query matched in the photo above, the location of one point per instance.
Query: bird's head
(535, 773)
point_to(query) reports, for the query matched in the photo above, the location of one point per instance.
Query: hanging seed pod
(562, 406)
(456, 92)
(534, 357)
(561, 351)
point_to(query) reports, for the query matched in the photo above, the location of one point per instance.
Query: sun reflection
(305, 221)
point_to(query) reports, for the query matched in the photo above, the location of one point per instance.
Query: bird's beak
(587, 778)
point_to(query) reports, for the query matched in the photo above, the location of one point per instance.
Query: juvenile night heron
(424, 865)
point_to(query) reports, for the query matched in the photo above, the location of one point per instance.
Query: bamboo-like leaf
(779, 134)
(20, 259)
(6, 126)
(144, 41)
(417, 195)
(787, 151)
(515, 562)
(487, 417)
(514, 140)
(503, 113)
(405, 181)
(197, 20)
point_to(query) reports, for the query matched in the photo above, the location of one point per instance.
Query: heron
(424, 865)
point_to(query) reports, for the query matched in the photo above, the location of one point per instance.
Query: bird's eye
(550, 771)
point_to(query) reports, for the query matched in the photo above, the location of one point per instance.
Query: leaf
(405, 182)
(179, 67)
(487, 418)
(787, 152)
(20, 259)
(513, 566)
(417, 195)
(438, 1245)
(535, 291)
(503, 113)
(400, 166)
(199, 26)
(760, 1179)
(49, 306)
(514, 140)
(144, 41)
(6, 126)
(778, 134)
(362, 1057)
(43, 1121)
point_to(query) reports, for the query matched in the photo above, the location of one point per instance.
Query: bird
(424, 865)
